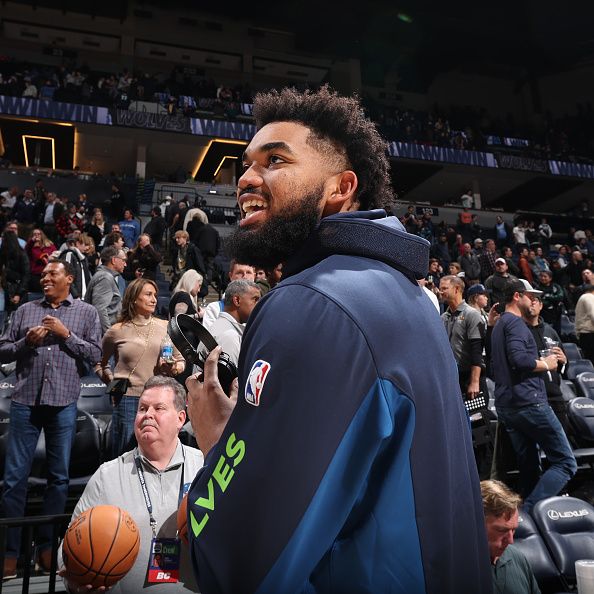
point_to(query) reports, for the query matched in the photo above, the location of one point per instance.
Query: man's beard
(279, 237)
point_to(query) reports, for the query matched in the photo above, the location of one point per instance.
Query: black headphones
(185, 332)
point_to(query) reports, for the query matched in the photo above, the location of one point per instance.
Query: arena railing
(28, 525)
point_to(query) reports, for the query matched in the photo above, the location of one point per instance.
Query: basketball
(182, 519)
(100, 546)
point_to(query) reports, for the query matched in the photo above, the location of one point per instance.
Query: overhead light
(207, 148)
(53, 141)
(221, 163)
(405, 18)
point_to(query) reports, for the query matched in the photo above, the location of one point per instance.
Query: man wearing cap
(487, 260)
(547, 338)
(477, 297)
(465, 330)
(584, 322)
(521, 400)
(498, 281)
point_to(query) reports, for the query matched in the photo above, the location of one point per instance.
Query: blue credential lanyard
(147, 497)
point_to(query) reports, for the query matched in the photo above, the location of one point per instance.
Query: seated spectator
(129, 228)
(38, 249)
(167, 467)
(511, 570)
(184, 296)
(143, 259)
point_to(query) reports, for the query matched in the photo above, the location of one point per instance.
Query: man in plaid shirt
(51, 339)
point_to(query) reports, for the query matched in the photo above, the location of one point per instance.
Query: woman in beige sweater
(135, 343)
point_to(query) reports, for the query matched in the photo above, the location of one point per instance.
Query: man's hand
(494, 315)
(75, 588)
(55, 326)
(473, 389)
(35, 335)
(558, 352)
(209, 408)
(551, 362)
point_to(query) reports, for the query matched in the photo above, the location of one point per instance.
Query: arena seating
(574, 368)
(566, 525)
(585, 384)
(529, 541)
(572, 351)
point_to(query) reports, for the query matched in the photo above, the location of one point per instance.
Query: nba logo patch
(255, 382)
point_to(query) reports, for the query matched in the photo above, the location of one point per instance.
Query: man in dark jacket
(315, 358)
(156, 227)
(521, 400)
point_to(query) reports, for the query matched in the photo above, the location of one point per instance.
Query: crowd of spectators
(467, 128)
(180, 92)
(185, 92)
(527, 250)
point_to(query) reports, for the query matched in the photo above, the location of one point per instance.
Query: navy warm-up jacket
(347, 464)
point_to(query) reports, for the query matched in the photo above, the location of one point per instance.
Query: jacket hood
(369, 234)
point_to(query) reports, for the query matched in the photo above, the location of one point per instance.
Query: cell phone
(500, 308)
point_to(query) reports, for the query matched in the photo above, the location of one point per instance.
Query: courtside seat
(585, 384)
(93, 398)
(572, 351)
(566, 525)
(529, 541)
(574, 368)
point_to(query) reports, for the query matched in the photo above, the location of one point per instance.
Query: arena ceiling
(414, 39)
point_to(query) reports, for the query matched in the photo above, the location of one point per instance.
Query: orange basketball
(182, 519)
(100, 546)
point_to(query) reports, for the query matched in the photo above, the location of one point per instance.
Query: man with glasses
(498, 282)
(103, 292)
(521, 399)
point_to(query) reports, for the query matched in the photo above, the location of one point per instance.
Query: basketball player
(347, 463)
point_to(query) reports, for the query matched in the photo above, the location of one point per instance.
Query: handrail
(59, 522)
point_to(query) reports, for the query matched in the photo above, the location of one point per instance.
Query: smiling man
(50, 339)
(346, 464)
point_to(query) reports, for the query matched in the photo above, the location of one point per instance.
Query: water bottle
(167, 349)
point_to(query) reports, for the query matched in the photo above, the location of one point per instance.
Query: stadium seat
(567, 329)
(93, 398)
(529, 541)
(7, 385)
(574, 368)
(585, 384)
(87, 453)
(572, 351)
(567, 528)
(580, 417)
(567, 390)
